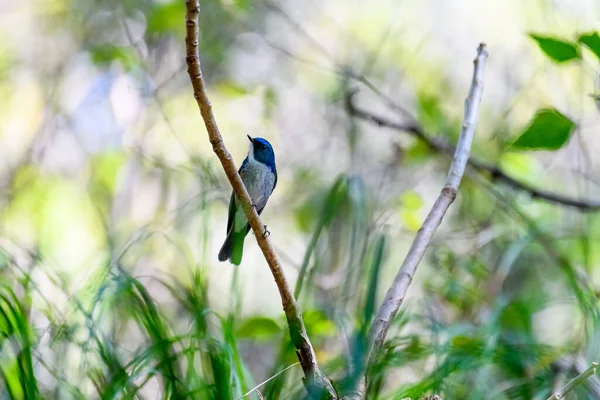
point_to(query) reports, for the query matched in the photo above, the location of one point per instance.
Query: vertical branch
(397, 291)
(317, 384)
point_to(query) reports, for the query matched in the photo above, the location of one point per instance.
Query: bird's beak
(250, 139)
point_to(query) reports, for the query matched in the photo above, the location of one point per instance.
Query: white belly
(259, 182)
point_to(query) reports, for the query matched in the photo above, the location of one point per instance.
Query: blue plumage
(259, 174)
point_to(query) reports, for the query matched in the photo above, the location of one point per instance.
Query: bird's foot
(266, 233)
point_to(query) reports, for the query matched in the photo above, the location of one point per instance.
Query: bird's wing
(260, 203)
(232, 205)
(275, 183)
(232, 210)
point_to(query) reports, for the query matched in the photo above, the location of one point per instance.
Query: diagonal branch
(397, 291)
(578, 380)
(316, 383)
(441, 146)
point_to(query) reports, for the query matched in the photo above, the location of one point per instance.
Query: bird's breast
(259, 181)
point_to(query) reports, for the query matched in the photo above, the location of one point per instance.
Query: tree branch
(440, 145)
(396, 293)
(316, 383)
(578, 380)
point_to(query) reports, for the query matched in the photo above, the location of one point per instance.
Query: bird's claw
(266, 233)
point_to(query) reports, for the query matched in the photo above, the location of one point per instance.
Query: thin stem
(578, 380)
(273, 377)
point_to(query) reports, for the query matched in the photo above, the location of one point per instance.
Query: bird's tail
(233, 248)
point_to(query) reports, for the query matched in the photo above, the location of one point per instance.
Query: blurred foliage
(106, 54)
(113, 205)
(592, 41)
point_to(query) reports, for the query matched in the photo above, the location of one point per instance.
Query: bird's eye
(263, 147)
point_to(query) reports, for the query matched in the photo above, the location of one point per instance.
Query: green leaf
(419, 152)
(411, 203)
(516, 316)
(524, 167)
(258, 328)
(592, 41)
(557, 50)
(167, 18)
(104, 55)
(378, 258)
(242, 5)
(431, 110)
(468, 344)
(548, 130)
(411, 200)
(105, 170)
(317, 323)
(232, 89)
(411, 220)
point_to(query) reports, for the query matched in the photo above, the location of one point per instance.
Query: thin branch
(316, 383)
(593, 383)
(396, 293)
(578, 380)
(271, 378)
(495, 173)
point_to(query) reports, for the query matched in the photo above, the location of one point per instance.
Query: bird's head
(262, 151)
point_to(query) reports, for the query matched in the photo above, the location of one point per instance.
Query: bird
(259, 174)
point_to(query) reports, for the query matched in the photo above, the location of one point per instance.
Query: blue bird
(259, 174)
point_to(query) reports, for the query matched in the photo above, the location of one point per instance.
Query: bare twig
(315, 381)
(396, 293)
(271, 378)
(440, 145)
(577, 365)
(578, 380)
(593, 383)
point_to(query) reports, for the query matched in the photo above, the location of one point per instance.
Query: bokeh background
(113, 206)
